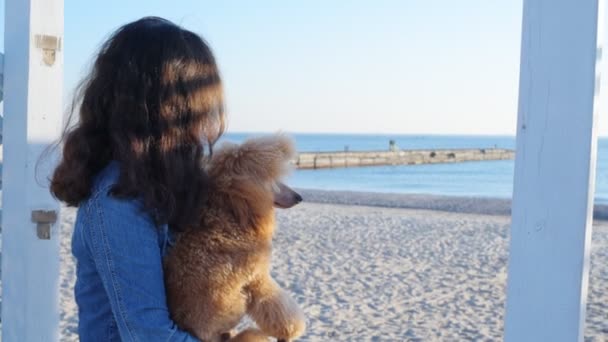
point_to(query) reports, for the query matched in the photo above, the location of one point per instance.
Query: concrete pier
(323, 160)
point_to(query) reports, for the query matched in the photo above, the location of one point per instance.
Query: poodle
(218, 273)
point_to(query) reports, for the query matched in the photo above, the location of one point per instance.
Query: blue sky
(401, 66)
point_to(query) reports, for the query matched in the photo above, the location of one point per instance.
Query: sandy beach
(374, 267)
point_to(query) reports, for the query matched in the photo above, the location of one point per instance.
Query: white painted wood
(1, 77)
(32, 119)
(554, 172)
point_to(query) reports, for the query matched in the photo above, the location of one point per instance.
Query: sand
(391, 269)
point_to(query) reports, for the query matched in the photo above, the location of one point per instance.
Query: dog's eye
(275, 187)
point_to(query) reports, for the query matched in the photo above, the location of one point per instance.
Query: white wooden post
(1, 77)
(33, 66)
(554, 171)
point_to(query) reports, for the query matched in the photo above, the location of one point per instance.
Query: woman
(150, 108)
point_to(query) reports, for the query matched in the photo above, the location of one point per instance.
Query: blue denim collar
(107, 177)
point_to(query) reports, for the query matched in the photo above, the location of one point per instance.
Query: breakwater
(323, 160)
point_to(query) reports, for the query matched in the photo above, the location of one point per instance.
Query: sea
(493, 179)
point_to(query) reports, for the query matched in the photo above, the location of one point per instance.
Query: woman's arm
(125, 247)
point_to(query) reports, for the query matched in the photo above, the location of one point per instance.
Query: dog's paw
(250, 335)
(226, 336)
(280, 316)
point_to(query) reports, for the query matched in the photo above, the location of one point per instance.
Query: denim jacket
(120, 288)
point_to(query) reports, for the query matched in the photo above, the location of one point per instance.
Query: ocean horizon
(492, 179)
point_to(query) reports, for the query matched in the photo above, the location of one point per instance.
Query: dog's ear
(244, 175)
(263, 158)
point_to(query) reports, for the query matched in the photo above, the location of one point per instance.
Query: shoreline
(453, 204)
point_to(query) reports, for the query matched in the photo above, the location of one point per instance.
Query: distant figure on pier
(392, 146)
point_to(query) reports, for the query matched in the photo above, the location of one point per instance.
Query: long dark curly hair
(153, 102)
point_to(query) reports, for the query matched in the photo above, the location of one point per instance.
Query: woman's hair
(153, 102)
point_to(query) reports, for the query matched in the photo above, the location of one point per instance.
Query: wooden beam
(32, 119)
(554, 171)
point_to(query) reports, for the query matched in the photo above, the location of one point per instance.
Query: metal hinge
(49, 45)
(44, 219)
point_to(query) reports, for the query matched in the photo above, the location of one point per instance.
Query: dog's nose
(298, 198)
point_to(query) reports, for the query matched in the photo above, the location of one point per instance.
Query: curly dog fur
(220, 272)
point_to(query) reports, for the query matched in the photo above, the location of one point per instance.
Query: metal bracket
(44, 219)
(49, 45)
